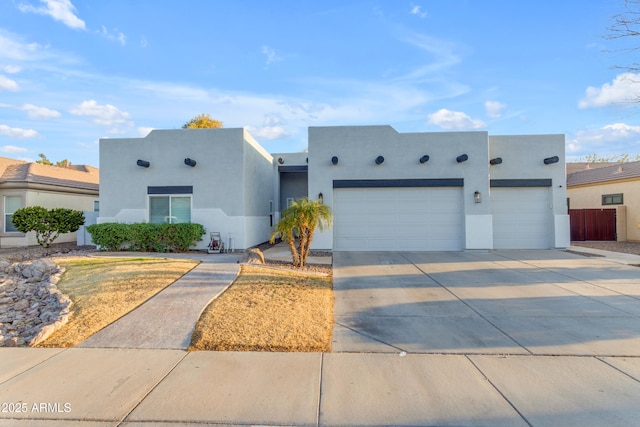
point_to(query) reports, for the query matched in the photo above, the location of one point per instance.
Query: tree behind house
(202, 121)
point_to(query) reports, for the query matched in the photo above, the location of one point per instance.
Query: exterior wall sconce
(189, 162)
(334, 160)
(551, 160)
(321, 197)
(496, 161)
(379, 160)
(143, 163)
(424, 159)
(462, 158)
(477, 197)
(280, 160)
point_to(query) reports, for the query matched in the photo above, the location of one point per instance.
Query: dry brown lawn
(269, 310)
(105, 289)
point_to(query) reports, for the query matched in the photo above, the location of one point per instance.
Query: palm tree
(302, 217)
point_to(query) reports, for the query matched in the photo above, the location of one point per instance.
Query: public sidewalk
(142, 387)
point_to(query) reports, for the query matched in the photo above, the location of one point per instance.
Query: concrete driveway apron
(499, 302)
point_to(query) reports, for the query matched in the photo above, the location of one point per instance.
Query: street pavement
(538, 338)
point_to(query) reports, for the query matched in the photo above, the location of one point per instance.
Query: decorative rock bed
(31, 306)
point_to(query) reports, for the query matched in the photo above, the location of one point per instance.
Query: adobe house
(388, 190)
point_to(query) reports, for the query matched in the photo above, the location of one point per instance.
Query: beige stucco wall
(590, 197)
(48, 200)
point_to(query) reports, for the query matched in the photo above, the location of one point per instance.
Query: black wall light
(477, 197)
(496, 161)
(424, 159)
(189, 162)
(379, 160)
(334, 160)
(551, 160)
(143, 163)
(462, 158)
(320, 197)
(280, 160)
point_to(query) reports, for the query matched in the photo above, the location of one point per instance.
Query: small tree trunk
(304, 242)
(308, 248)
(294, 252)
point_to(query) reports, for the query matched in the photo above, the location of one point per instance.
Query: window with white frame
(11, 205)
(169, 209)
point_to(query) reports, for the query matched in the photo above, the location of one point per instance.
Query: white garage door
(406, 219)
(521, 218)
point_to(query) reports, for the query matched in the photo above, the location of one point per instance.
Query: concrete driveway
(499, 302)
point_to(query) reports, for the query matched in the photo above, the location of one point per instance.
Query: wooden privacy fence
(592, 224)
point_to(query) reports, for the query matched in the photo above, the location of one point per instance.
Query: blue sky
(75, 71)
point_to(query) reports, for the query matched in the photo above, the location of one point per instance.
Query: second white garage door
(406, 219)
(521, 218)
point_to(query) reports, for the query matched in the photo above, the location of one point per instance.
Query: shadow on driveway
(499, 302)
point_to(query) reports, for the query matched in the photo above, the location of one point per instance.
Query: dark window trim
(301, 168)
(398, 183)
(175, 189)
(612, 196)
(520, 183)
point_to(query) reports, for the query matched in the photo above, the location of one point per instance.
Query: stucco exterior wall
(590, 197)
(358, 146)
(523, 158)
(226, 179)
(48, 200)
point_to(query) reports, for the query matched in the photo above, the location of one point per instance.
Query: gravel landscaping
(623, 247)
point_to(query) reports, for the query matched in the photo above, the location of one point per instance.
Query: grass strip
(269, 310)
(105, 289)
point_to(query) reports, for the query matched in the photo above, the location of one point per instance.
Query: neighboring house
(387, 190)
(609, 194)
(25, 184)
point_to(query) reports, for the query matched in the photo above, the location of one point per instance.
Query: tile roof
(573, 167)
(81, 177)
(614, 172)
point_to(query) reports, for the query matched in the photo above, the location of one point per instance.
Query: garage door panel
(521, 218)
(398, 219)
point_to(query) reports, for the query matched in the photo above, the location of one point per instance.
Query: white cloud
(268, 132)
(11, 69)
(272, 128)
(417, 10)
(270, 55)
(114, 35)
(60, 10)
(104, 115)
(17, 132)
(8, 84)
(36, 112)
(616, 138)
(454, 120)
(144, 131)
(625, 88)
(12, 149)
(494, 109)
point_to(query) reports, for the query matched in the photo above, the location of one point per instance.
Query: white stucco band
(479, 231)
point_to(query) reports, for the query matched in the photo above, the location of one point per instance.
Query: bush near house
(113, 236)
(47, 224)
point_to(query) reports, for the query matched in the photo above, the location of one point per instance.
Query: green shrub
(145, 237)
(110, 236)
(47, 224)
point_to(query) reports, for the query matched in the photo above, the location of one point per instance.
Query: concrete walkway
(91, 387)
(168, 319)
